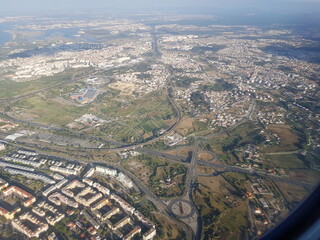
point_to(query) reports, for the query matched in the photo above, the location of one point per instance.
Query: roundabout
(181, 208)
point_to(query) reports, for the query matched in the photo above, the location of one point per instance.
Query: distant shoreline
(6, 36)
(13, 35)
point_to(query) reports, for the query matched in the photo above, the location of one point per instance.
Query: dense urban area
(155, 126)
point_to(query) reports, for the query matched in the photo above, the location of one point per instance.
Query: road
(167, 156)
(155, 46)
(150, 195)
(256, 173)
(192, 165)
(184, 160)
(191, 171)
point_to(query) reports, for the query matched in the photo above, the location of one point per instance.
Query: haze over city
(288, 6)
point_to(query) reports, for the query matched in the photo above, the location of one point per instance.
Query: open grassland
(290, 139)
(165, 179)
(286, 154)
(285, 161)
(306, 175)
(181, 151)
(224, 144)
(47, 111)
(204, 170)
(292, 193)
(126, 89)
(286, 134)
(223, 216)
(282, 153)
(10, 88)
(185, 127)
(169, 229)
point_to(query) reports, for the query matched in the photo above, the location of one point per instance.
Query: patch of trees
(144, 76)
(184, 81)
(209, 48)
(231, 146)
(220, 85)
(199, 99)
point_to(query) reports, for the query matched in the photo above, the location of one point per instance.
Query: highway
(150, 195)
(253, 172)
(184, 160)
(195, 162)
(167, 156)
(191, 171)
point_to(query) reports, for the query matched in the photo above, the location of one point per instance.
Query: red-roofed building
(8, 214)
(131, 234)
(21, 193)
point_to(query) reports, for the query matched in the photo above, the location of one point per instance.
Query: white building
(125, 180)
(63, 170)
(2, 146)
(107, 171)
(150, 234)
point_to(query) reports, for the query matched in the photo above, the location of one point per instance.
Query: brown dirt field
(184, 152)
(180, 151)
(214, 183)
(307, 176)
(173, 152)
(205, 156)
(170, 227)
(170, 122)
(185, 126)
(139, 169)
(125, 88)
(204, 170)
(291, 192)
(285, 134)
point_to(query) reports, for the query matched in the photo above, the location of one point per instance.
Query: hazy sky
(27, 6)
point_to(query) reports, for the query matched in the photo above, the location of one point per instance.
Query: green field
(48, 111)
(127, 121)
(221, 219)
(10, 88)
(286, 161)
(225, 144)
(152, 171)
